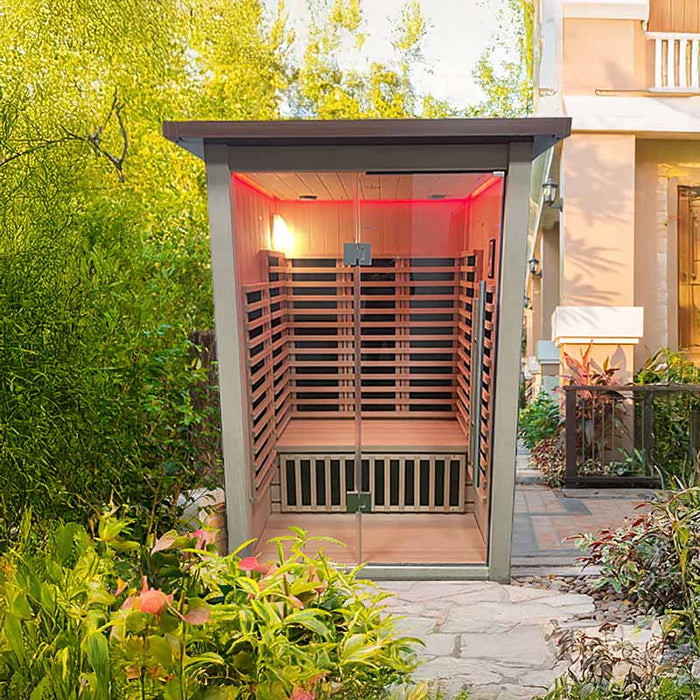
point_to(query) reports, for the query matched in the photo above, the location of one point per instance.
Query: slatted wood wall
(470, 268)
(416, 345)
(408, 339)
(485, 401)
(269, 383)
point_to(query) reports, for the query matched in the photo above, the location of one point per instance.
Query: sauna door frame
(514, 158)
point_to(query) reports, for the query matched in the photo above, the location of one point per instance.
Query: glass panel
(421, 312)
(427, 340)
(297, 333)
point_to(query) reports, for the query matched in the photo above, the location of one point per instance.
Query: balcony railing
(676, 62)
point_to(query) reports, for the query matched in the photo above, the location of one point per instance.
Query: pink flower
(301, 694)
(153, 600)
(204, 538)
(252, 564)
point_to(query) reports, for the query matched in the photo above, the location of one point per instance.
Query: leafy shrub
(104, 617)
(672, 413)
(655, 560)
(604, 667)
(586, 372)
(539, 420)
(548, 456)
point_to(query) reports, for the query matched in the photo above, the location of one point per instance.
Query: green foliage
(504, 70)
(673, 414)
(539, 419)
(655, 561)
(103, 616)
(104, 252)
(323, 88)
(603, 667)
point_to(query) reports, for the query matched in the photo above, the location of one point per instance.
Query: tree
(504, 70)
(104, 253)
(325, 89)
(104, 260)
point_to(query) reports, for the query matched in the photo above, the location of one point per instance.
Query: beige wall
(604, 54)
(550, 265)
(597, 241)
(662, 165)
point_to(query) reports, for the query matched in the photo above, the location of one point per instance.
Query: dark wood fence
(631, 435)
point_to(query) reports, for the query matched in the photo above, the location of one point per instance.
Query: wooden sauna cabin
(368, 284)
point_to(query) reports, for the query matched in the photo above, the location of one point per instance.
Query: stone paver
(546, 520)
(485, 637)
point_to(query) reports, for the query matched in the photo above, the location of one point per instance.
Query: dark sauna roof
(542, 132)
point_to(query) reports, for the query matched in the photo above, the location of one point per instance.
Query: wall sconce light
(550, 190)
(282, 237)
(534, 267)
(526, 302)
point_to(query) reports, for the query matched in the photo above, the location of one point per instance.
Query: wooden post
(647, 426)
(694, 440)
(571, 476)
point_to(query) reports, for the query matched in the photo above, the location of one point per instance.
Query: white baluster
(658, 73)
(671, 63)
(695, 64)
(683, 63)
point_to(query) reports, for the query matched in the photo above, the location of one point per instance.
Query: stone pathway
(485, 637)
(491, 639)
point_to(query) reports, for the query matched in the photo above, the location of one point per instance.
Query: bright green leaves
(97, 653)
(97, 619)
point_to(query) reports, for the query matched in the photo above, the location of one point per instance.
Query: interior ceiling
(339, 186)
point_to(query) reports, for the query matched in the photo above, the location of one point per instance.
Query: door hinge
(358, 501)
(357, 254)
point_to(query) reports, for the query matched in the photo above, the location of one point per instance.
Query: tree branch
(94, 139)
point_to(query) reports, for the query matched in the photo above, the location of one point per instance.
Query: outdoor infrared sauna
(368, 285)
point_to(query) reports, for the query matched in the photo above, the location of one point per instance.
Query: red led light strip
(483, 187)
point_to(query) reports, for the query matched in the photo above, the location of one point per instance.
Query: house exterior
(368, 285)
(614, 258)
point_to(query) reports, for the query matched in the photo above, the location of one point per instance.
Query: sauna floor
(388, 538)
(379, 435)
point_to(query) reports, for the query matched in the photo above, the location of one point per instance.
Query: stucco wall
(661, 167)
(604, 54)
(597, 242)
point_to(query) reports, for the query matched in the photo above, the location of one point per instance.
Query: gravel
(610, 606)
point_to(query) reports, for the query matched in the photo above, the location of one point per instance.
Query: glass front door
(425, 292)
(368, 322)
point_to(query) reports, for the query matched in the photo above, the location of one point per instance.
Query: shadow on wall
(598, 216)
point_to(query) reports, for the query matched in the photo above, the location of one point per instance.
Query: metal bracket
(357, 254)
(358, 501)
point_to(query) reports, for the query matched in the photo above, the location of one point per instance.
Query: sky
(459, 30)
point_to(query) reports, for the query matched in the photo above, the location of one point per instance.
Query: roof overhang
(542, 133)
